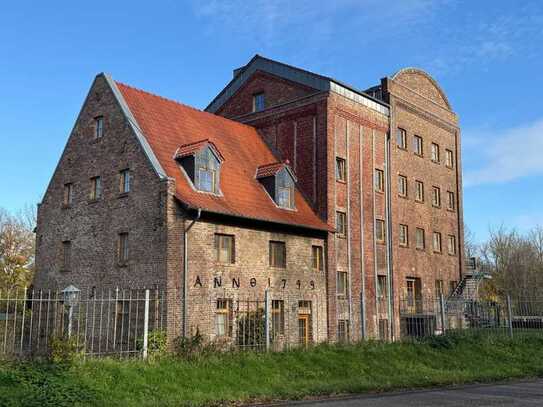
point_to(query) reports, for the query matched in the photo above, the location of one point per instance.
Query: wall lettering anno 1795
(236, 282)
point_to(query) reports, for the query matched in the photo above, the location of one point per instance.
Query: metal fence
(420, 317)
(125, 322)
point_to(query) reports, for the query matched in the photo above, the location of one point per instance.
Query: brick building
(289, 183)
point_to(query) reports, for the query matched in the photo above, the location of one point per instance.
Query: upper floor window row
(201, 162)
(96, 187)
(418, 148)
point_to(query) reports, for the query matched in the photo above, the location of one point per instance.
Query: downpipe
(186, 272)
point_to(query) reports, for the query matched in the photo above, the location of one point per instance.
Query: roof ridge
(183, 105)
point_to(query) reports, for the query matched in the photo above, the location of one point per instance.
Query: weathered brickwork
(93, 227)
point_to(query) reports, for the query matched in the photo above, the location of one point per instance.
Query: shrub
(157, 343)
(63, 349)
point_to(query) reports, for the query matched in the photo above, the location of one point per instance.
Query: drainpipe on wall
(186, 271)
(388, 205)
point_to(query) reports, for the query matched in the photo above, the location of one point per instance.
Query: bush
(64, 350)
(157, 343)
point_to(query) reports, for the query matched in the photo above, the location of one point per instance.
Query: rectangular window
(341, 173)
(436, 197)
(419, 191)
(382, 288)
(401, 138)
(278, 318)
(206, 179)
(418, 145)
(66, 255)
(123, 248)
(449, 158)
(450, 201)
(380, 233)
(259, 102)
(341, 224)
(451, 244)
(439, 288)
(435, 152)
(225, 245)
(317, 257)
(379, 180)
(98, 127)
(96, 188)
(124, 184)
(404, 235)
(68, 194)
(223, 318)
(342, 283)
(402, 186)
(414, 294)
(278, 254)
(437, 242)
(343, 330)
(420, 239)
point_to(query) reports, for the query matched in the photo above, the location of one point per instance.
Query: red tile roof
(269, 169)
(168, 125)
(192, 148)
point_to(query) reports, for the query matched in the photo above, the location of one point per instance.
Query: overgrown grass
(225, 378)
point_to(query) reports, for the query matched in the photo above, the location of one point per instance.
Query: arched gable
(422, 83)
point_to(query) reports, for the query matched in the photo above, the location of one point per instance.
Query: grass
(242, 377)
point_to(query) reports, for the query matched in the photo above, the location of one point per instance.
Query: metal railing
(125, 322)
(420, 317)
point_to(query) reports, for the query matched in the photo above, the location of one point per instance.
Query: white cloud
(505, 155)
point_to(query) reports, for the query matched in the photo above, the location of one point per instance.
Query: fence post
(509, 315)
(267, 318)
(146, 324)
(442, 312)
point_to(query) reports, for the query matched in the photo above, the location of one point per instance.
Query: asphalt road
(510, 395)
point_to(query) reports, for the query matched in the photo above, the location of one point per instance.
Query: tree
(17, 248)
(515, 262)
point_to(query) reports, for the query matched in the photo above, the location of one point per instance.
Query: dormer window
(201, 161)
(278, 180)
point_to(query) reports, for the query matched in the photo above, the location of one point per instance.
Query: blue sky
(485, 54)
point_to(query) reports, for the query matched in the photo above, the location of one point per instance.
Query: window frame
(401, 134)
(436, 196)
(449, 158)
(439, 242)
(382, 288)
(402, 181)
(417, 190)
(403, 231)
(123, 252)
(451, 245)
(96, 188)
(341, 227)
(435, 153)
(451, 201)
(317, 258)
(257, 98)
(98, 127)
(68, 194)
(418, 145)
(273, 255)
(226, 313)
(343, 277)
(417, 234)
(341, 169)
(380, 238)
(379, 180)
(219, 239)
(277, 313)
(125, 181)
(66, 255)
